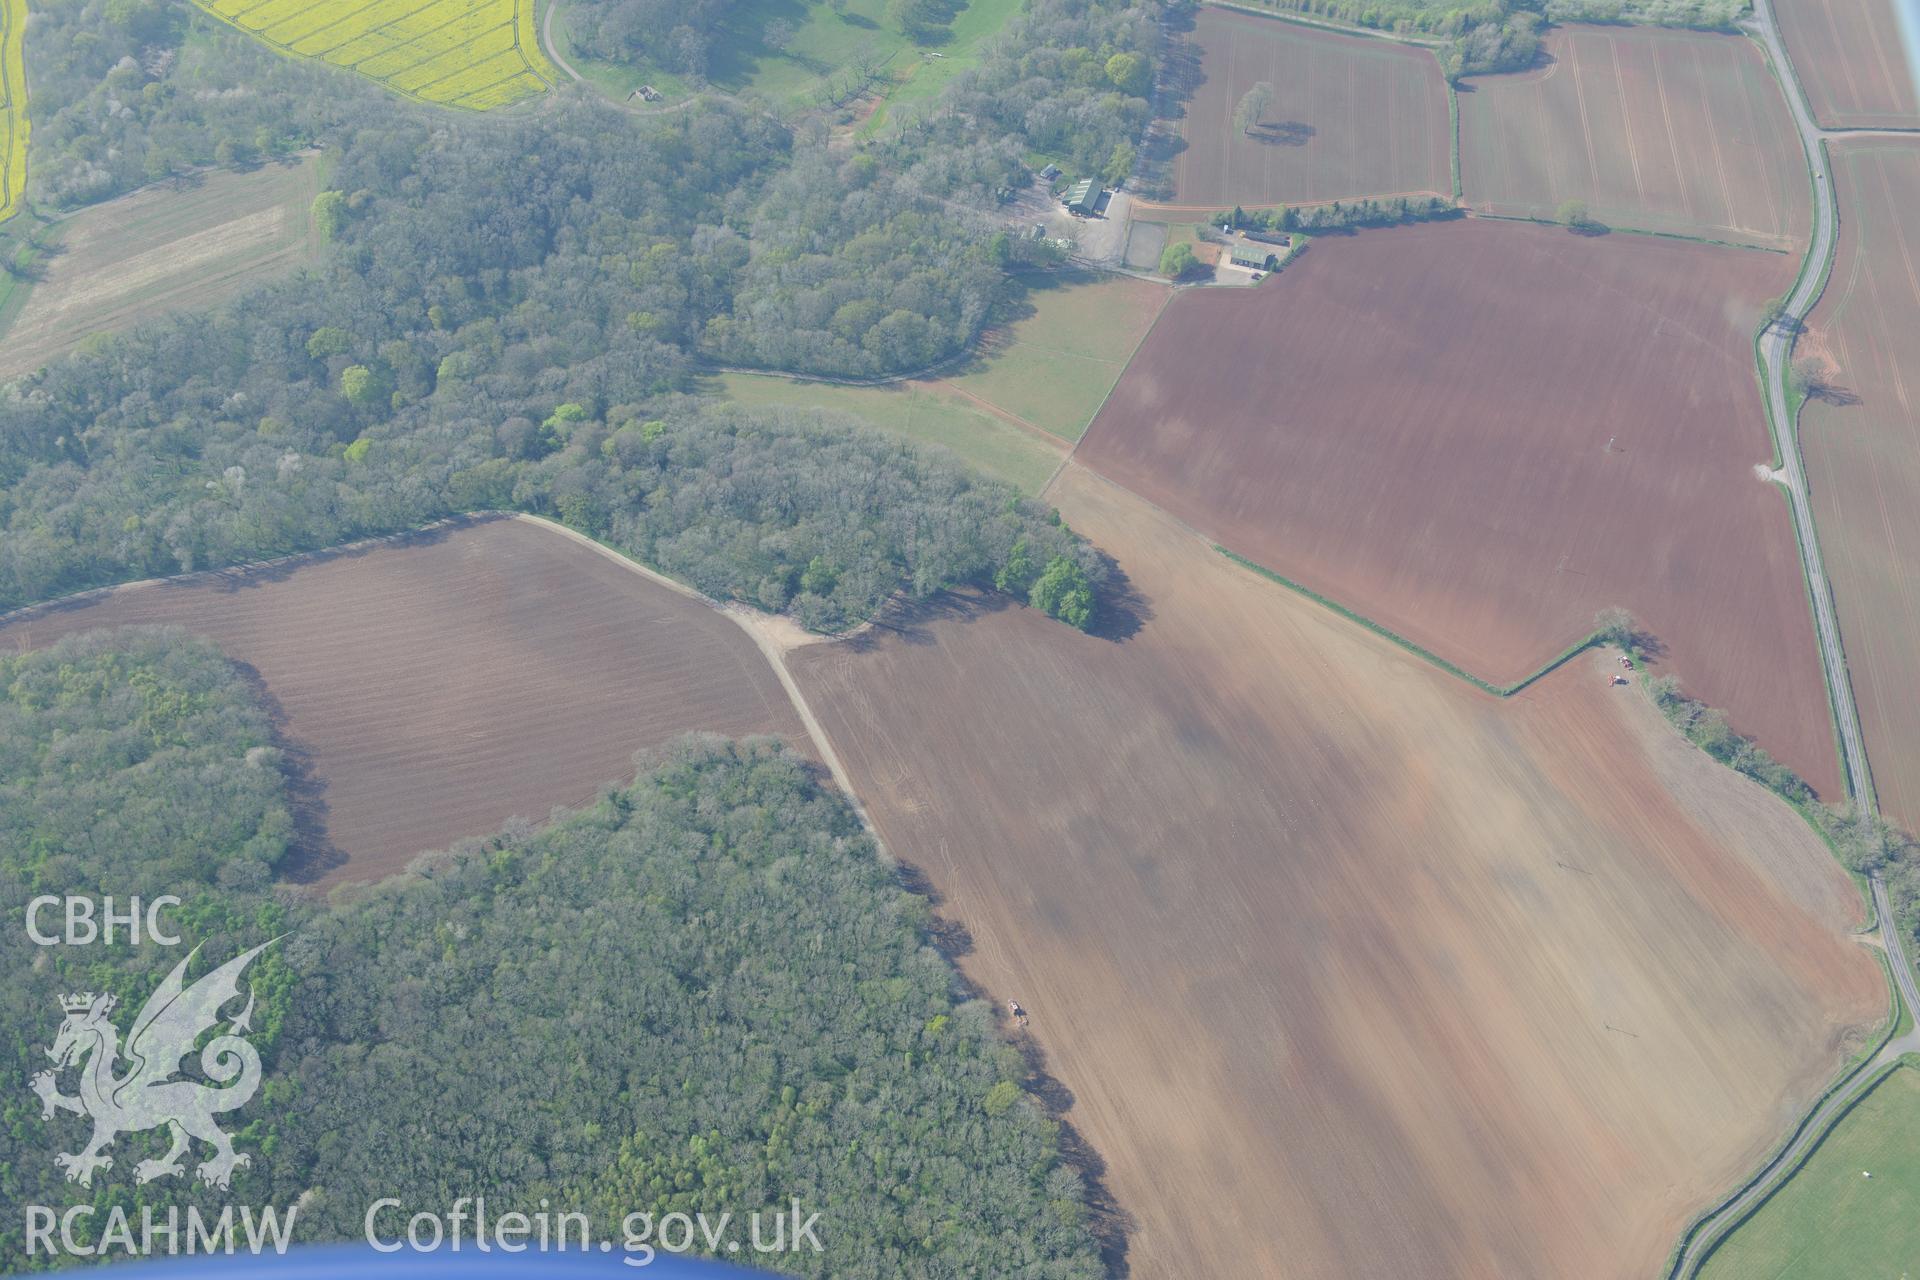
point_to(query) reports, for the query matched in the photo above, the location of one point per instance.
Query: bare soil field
(1674, 131)
(1350, 116)
(433, 687)
(1479, 434)
(1848, 54)
(1348, 968)
(1862, 448)
(161, 249)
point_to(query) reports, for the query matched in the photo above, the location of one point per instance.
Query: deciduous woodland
(814, 1048)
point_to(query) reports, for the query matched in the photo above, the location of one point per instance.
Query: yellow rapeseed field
(464, 53)
(13, 107)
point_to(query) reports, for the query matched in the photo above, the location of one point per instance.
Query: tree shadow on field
(242, 577)
(1112, 1226)
(913, 621)
(1121, 613)
(1285, 133)
(312, 853)
(1123, 610)
(1829, 394)
(1650, 646)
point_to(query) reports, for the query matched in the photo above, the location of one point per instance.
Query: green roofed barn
(1083, 197)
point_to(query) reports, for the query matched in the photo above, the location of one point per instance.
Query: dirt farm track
(1350, 968)
(1478, 434)
(436, 686)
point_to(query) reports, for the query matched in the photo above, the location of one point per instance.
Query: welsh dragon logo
(148, 1094)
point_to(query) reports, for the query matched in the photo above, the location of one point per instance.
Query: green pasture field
(925, 413)
(1830, 1223)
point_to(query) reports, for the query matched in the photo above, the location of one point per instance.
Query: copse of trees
(704, 993)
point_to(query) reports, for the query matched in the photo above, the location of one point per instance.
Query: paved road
(1776, 351)
(553, 50)
(1902, 968)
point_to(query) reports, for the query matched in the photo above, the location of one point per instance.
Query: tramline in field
(465, 53)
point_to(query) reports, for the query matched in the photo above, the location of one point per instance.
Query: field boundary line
(770, 648)
(1773, 344)
(1850, 1075)
(548, 83)
(1166, 304)
(1629, 231)
(13, 69)
(1426, 655)
(1453, 144)
(1151, 211)
(1318, 23)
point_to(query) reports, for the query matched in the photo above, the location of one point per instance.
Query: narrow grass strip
(1425, 655)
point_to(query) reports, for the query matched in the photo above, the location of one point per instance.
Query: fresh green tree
(1119, 164)
(1063, 592)
(329, 214)
(1130, 73)
(1015, 577)
(1177, 259)
(365, 388)
(329, 340)
(1253, 104)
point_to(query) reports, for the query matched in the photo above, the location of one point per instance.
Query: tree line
(705, 992)
(1490, 36)
(1863, 844)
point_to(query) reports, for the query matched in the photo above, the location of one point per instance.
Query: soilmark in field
(13, 107)
(464, 53)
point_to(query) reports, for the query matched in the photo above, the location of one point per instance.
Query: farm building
(1083, 197)
(1253, 257)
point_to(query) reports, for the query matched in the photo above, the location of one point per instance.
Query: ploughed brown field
(1849, 57)
(436, 686)
(1678, 131)
(1479, 434)
(1350, 116)
(1352, 969)
(1862, 444)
